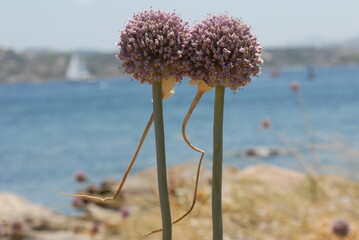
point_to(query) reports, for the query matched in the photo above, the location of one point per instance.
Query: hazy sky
(95, 24)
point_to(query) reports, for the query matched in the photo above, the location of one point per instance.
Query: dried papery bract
(222, 53)
(202, 88)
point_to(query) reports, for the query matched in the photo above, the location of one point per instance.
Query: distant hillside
(285, 57)
(50, 65)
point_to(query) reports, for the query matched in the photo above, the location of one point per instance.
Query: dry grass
(260, 202)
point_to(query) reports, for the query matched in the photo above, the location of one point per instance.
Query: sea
(49, 131)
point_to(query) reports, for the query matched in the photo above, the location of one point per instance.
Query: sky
(68, 25)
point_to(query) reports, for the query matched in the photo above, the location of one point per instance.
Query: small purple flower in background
(223, 52)
(265, 124)
(125, 212)
(17, 226)
(17, 230)
(210, 181)
(78, 203)
(95, 228)
(340, 227)
(152, 46)
(294, 86)
(80, 177)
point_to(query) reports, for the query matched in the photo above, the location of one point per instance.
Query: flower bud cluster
(341, 227)
(152, 46)
(223, 52)
(220, 50)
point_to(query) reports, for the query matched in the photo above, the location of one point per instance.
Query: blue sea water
(49, 131)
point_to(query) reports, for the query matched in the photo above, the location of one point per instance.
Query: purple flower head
(265, 124)
(125, 212)
(223, 52)
(17, 226)
(95, 228)
(294, 86)
(152, 46)
(341, 227)
(78, 203)
(80, 177)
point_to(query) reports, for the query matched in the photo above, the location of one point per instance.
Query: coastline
(51, 65)
(259, 202)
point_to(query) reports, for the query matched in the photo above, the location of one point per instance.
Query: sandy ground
(259, 202)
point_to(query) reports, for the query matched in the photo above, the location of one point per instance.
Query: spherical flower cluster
(152, 46)
(17, 226)
(265, 124)
(223, 52)
(95, 228)
(341, 227)
(125, 212)
(78, 203)
(294, 86)
(80, 177)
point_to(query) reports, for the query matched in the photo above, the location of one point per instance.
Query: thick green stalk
(161, 161)
(217, 164)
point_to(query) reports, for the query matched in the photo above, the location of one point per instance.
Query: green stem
(161, 161)
(217, 164)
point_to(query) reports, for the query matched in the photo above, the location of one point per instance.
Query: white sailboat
(77, 69)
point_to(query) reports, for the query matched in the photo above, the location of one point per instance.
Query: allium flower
(17, 230)
(17, 226)
(80, 177)
(265, 124)
(78, 203)
(223, 52)
(125, 212)
(294, 86)
(341, 227)
(95, 228)
(152, 46)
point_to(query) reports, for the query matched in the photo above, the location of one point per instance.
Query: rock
(27, 219)
(14, 208)
(262, 151)
(259, 200)
(272, 175)
(62, 235)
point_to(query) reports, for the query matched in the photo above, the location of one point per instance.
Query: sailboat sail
(77, 69)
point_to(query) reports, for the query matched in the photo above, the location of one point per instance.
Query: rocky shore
(260, 202)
